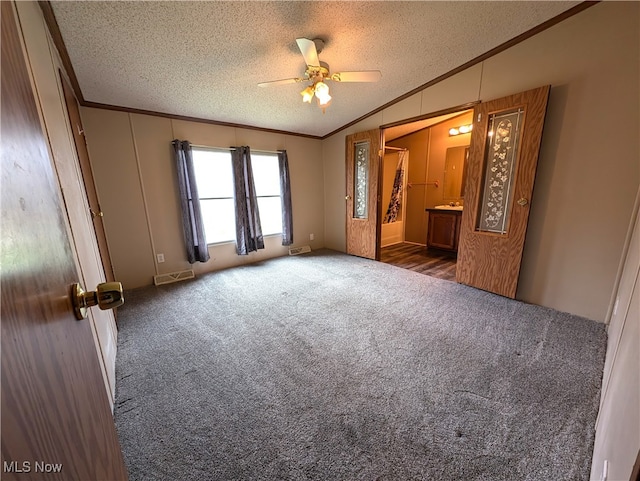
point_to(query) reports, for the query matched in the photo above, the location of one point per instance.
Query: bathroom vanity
(444, 227)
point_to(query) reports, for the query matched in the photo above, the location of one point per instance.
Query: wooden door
(56, 420)
(363, 160)
(502, 166)
(75, 122)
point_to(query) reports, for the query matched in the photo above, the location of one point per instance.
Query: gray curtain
(285, 191)
(193, 226)
(248, 230)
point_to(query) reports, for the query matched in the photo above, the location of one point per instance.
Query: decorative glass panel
(500, 167)
(361, 181)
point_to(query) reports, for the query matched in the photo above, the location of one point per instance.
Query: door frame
(480, 105)
(432, 115)
(88, 179)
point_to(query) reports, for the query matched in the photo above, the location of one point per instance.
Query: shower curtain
(396, 194)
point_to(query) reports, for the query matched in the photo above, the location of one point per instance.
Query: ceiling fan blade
(309, 52)
(280, 82)
(362, 76)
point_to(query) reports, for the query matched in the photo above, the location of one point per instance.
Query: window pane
(500, 167)
(213, 173)
(270, 215)
(266, 174)
(219, 220)
(361, 181)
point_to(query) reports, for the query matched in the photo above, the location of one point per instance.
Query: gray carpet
(330, 367)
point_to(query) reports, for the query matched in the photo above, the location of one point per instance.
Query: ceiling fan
(317, 73)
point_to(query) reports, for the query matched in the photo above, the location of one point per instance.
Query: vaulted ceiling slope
(205, 59)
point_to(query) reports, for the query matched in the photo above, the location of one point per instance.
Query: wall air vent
(173, 277)
(294, 251)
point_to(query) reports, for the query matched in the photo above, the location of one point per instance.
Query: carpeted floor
(330, 367)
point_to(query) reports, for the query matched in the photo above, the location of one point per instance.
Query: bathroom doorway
(422, 192)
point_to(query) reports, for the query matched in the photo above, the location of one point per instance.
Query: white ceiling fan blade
(309, 52)
(280, 82)
(362, 76)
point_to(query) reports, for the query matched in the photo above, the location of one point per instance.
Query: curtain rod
(393, 148)
(231, 148)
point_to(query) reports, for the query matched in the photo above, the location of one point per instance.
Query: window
(266, 177)
(214, 177)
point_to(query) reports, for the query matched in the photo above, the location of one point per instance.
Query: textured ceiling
(205, 59)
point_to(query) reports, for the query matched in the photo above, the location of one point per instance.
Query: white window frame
(256, 153)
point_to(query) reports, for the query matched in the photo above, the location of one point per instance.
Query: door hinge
(479, 117)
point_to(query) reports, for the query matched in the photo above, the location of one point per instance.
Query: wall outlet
(160, 258)
(311, 236)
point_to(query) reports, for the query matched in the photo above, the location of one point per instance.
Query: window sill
(221, 243)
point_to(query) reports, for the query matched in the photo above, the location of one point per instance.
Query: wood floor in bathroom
(417, 258)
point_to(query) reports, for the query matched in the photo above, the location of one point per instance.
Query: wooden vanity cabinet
(444, 229)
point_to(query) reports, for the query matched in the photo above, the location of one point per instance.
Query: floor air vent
(294, 251)
(173, 277)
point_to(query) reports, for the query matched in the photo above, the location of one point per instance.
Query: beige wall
(440, 142)
(137, 187)
(588, 169)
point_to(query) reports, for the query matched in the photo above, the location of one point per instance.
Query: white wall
(618, 427)
(588, 169)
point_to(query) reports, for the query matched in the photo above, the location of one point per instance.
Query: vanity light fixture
(463, 129)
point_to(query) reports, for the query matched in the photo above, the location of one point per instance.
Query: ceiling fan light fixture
(324, 101)
(317, 72)
(307, 94)
(322, 93)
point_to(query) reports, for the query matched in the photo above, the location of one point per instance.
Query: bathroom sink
(449, 207)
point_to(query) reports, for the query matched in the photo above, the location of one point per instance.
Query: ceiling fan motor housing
(319, 44)
(318, 73)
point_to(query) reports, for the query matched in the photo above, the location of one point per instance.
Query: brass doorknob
(523, 202)
(347, 197)
(106, 296)
(95, 214)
